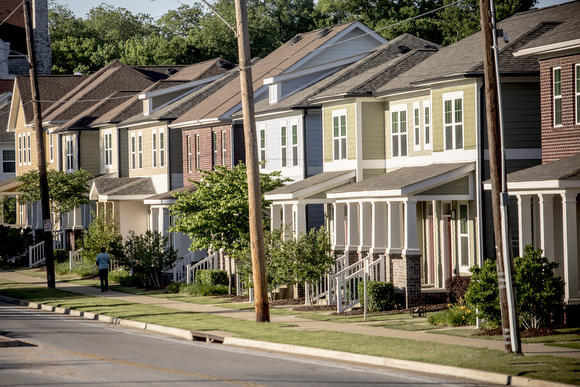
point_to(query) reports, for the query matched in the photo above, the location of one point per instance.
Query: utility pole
(47, 224)
(254, 191)
(499, 196)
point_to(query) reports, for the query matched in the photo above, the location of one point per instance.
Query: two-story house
(548, 201)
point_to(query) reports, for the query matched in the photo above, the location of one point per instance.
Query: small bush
(173, 287)
(456, 315)
(212, 277)
(456, 288)
(483, 292)
(123, 278)
(380, 295)
(200, 289)
(62, 268)
(60, 256)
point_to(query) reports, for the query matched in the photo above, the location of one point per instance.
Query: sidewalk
(301, 324)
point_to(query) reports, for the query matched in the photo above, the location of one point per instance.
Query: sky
(157, 8)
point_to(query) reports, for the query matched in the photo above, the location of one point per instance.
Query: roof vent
(402, 49)
(170, 71)
(323, 33)
(294, 40)
(430, 47)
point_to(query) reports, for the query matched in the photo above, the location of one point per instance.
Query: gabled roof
(167, 197)
(201, 70)
(564, 169)
(361, 77)
(50, 87)
(130, 187)
(403, 181)
(465, 57)
(298, 50)
(312, 185)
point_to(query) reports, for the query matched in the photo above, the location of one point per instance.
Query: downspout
(305, 157)
(78, 154)
(480, 151)
(167, 152)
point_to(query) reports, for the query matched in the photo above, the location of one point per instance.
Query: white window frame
(577, 83)
(197, 152)
(224, 148)
(50, 147)
(294, 127)
(5, 160)
(154, 140)
(215, 151)
(108, 149)
(284, 144)
(417, 126)
(189, 154)
(162, 141)
(28, 149)
(399, 131)
(133, 151)
(262, 139)
(339, 138)
(69, 153)
(557, 98)
(463, 235)
(139, 150)
(19, 149)
(427, 117)
(453, 123)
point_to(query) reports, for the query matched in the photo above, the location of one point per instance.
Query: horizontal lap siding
(313, 146)
(373, 131)
(521, 107)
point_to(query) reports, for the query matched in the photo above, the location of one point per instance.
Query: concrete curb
(406, 365)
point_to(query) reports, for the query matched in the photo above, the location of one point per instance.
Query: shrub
(62, 268)
(380, 295)
(60, 256)
(15, 241)
(201, 289)
(122, 277)
(173, 287)
(212, 277)
(483, 292)
(456, 315)
(456, 288)
(539, 292)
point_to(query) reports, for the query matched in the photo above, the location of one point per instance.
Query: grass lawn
(407, 326)
(566, 335)
(563, 370)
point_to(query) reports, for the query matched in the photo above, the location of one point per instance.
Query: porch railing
(58, 239)
(348, 279)
(36, 254)
(325, 287)
(210, 262)
(75, 259)
(179, 269)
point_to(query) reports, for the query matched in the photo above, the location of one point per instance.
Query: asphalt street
(64, 350)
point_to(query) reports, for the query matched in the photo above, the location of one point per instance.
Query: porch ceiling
(404, 181)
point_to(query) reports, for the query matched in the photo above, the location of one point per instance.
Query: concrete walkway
(301, 323)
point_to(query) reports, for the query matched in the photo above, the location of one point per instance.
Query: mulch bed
(526, 333)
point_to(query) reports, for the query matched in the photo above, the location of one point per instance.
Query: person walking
(103, 260)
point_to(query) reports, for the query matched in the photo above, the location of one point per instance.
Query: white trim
(313, 70)
(342, 146)
(549, 48)
(556, 97)
(417, 126)
(185, 87)
(313, 189)
(427, 128)
(154, 148)
(398, 136)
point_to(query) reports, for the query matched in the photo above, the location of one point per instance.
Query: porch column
(299, 210)
(525, 221)
(353, 226)
(394, 225)
(339, 230)
(287, 219)
(379, 215)
(154, 219)
(547, 226)
(410, 228)
(570, 247)
(163, 222)
(366, 226)
(275, 216)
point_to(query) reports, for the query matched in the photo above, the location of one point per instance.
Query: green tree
(9, 209)
(66, 191)
(180, 21)
(15, 241)
(102, 232)
(148, 256)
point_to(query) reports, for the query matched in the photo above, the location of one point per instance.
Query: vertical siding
(373, 133)
(175, 149)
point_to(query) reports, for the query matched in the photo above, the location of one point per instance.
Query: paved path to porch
(301, 323)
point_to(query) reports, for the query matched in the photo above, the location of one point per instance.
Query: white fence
(179, 270)
(210, 262)
(36, 254)
(58, 239)
(76, 261)
(348, 279)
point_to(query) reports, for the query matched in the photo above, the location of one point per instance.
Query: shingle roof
(125, 186)
(308, 182)
(201, 70)
(466, 56)
(400, 178)
(169, 195)
(51, 88)
(281, 59)
(564, 169)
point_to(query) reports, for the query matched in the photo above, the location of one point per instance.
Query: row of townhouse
(385, 141)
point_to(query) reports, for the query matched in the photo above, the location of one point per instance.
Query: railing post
(70, 260)
(30, 256)
(188, 272)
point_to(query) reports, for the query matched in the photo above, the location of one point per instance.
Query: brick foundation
(404, 271)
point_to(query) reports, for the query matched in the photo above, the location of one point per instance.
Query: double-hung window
(197, 152)
(8, 161)
(189, 160)
(577, 76)
(417, 125)
(19, 149)
(133, 151)
(162, 147)
(283, 145)
(453, 116)
(294, 145)
(51, 147)
(140, 149)
(154, 148)
(339, 134)
(69, 153)
(427, 124)
(108, 149)
(28, 146)
(399, 131)
(464, 236)
(214, 149)
(262, 146)
(224, 147)
(557, 96)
